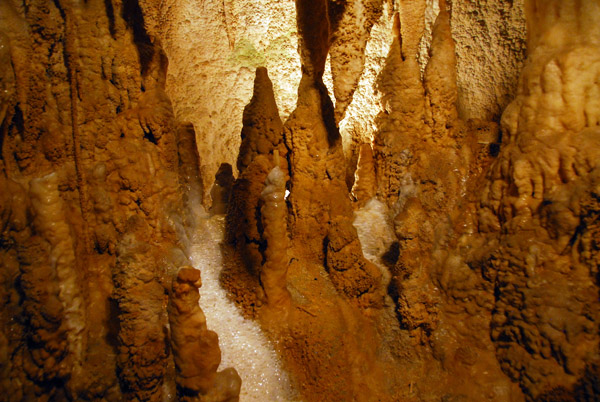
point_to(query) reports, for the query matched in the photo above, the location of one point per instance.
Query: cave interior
(300, 200)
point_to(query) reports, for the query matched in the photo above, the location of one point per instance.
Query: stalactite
(481, 277)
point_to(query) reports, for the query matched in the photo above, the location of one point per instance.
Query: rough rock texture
(351, 23)
(262, 130)
(481, 283)
(319, 198)
(214, 47)
(195, 348)
(210, 80)
(189, 162)
(273, 213)
(365, 181)
(92, 218)
(491, 47)
(220, 191)
(262, 138)
(332, 288)
(539, 209)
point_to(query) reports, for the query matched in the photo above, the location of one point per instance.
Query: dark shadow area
(110, 14)
(134, 18)
(113, 324)
(149, 135)
(325, 247)
(335, 12)
(327, 111)
(390, 257)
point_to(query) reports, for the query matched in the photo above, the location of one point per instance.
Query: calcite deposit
(195, 348)
(422, 228)
(93, 203)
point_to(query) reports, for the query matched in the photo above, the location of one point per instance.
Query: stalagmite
(262, 136)
(189, 165)
(220, 192)
(262, 129)
(440, 77)
(402, 125)
(196, 349)
(273, 274)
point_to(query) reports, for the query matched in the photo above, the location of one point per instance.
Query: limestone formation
(189, 174)
(539, 205)
(262, 138)
(51, 225)
(195, 348)
(273, 274)
(351, 25)
(91, 212)
(461, 266)
(440, 77)
(262, 130)
(220, 192)
(142, 358)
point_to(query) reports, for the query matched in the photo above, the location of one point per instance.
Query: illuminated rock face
(482, 277)
(214, 47)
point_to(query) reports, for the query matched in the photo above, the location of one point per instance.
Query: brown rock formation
(91, 214)
(440, 78)
(142, 355)
(539, 208)
(273, 274)
(318, 192)
(262, 136)
(351, 24)
(365, 182)
(195, 348)
(424, 158)
(220, 193)
(262, 131)
(494, 288)
(189, 175)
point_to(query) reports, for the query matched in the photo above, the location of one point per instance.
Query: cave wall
(93, 213)
(214, 46)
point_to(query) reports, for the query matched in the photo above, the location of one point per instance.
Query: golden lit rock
(386, 200)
